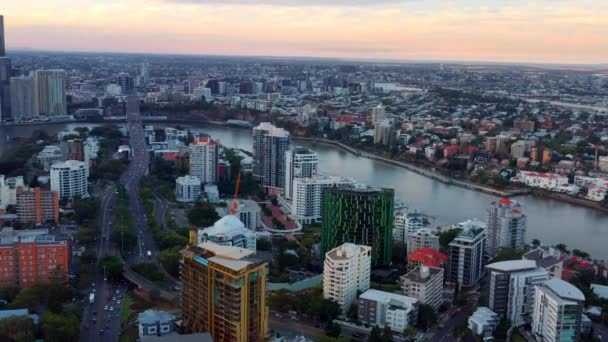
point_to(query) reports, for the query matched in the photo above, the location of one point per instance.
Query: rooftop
(564, 289)
(9, 235)
(388, 298)
(228, 252)
(418, 276)
(512, 265)
(153, 316)
(345, 251)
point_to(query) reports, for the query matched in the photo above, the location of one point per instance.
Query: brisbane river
(550, 221)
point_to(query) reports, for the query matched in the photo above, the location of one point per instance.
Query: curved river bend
(549, 220)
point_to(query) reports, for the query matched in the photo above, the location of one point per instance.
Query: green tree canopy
(113, 266)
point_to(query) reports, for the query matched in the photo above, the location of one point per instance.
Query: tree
(111, 265)
(508, 253)
(202, 216)
(446, 237)
(18, 328)
(535, 242)
(409, 331)
(170, 259)
(352, 312)
(426, 317)
(580, 254)
(562, 247)
(61, 328)
(387, 334)
(332, 329)
(85, 209)
(375, 335)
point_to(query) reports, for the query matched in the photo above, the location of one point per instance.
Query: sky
(543, 31)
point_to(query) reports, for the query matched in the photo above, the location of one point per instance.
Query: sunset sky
(554, 31)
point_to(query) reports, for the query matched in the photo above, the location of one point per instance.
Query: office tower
(299, 163)
(187, 189)
(38, 206)
(2, 47)
(72, 149)
(422, 238)
(385, 309)
(346, 271)
(307, 203)
(69, 178)
(5, 87)
(224, 293)
(406, 223)
(49, 86)
(228, 231)
(511, 292)
(506, 226)
(126, 83)
(361, 215)
(424, 283)
(23, 98)
(558, 307)
(269, 146)
(9, 187)
(204, 160)
(465, 255)
(144, 72)
(214, 85)
(33, 257)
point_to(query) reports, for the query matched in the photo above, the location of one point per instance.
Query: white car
(111, 308)
(105, 308)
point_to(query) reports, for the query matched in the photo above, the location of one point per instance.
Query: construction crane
(234, 206)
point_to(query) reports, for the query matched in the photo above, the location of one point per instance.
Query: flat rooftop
(228, 252)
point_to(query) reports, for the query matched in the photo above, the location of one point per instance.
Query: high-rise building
(228, 231)
(23, 98)
(5, 87)
(519, 149)
(269, 146)
(126, 83)
(405, 224)
(38, 206)
(299, 163)
(32, 257)
(346, 270)
(424, 283)
(361, 215)
(49, 86)
(204, 160)
(422, 238)
(307, 202)
(511, 292)
(187, 189)
(50, 155)
(466, 255)
(558, 307)
(2, 47)
(506, 226)
(378, 114)
(385, 309)
(224, 293)
(384, 132)
(144, 72)
(69, 178)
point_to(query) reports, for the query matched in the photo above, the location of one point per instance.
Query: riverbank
(420, 170)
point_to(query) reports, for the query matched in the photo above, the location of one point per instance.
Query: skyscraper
(144, 72)
(49, 86)
(5, 75)
(361, 215)
(126, 83)
(269, 146)
(465, 254)
(2, 48)
(506, 226)
(299, 163)
(224, 293)
(203, 160)
(23, 98)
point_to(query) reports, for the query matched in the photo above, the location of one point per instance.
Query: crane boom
(234, 207)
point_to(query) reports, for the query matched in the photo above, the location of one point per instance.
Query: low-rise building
(228, 231)
(483, 322)
(424, 283)
(546, 181)
(386, 309)
(187, 189)
(49, 155)
(155, 323)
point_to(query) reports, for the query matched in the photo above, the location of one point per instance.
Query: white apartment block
(597, 187)
(307, 201)
(187, 189)
(424, 283)
(299, 163)
(512, 288)
(422, 238)
(386, 309)
(8, 190)
(69, 179)
(204, 160)
(506, 225)
(558, 307)
(346, 270)
(483, 322)
(405, 224)
(546, 181)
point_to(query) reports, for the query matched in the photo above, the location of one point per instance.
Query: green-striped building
(361, 215)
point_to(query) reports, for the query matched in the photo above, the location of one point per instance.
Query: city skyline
(564, 32)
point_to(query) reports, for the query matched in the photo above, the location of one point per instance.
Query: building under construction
(224, 293)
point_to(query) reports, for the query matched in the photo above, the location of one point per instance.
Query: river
(550, 221)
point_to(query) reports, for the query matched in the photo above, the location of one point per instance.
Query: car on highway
(105, 308)
(101, 332)
(111, 308)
